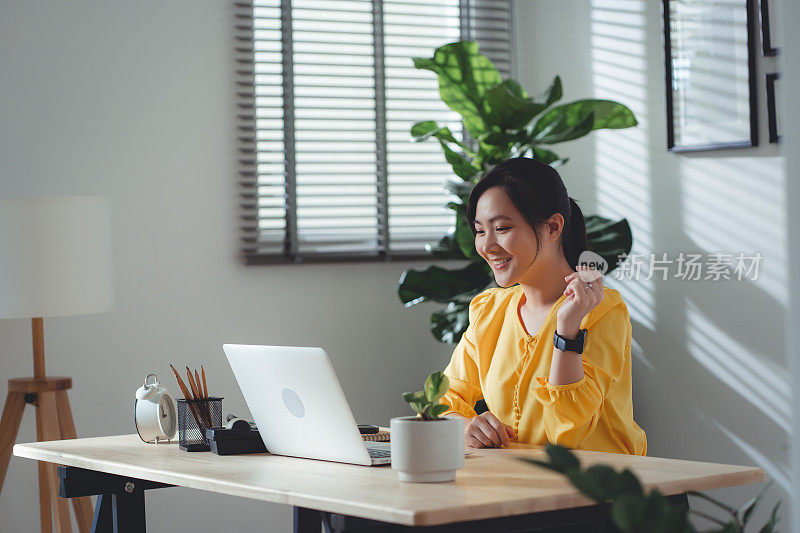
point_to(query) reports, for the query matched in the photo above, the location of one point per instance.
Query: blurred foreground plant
(634, 511)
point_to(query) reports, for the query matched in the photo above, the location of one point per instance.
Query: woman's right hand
(487, 431)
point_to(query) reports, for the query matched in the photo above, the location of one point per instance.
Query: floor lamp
(55, 260)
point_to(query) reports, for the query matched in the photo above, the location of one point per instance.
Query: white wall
(133, 100)
(790, 66)
(710, 378)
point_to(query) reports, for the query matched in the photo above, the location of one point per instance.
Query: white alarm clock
(154, 412)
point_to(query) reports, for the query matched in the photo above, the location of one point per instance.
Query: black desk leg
(103, 515)
(120, 500)
(307, 520)
(119, 513)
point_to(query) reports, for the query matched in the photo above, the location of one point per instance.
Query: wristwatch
(570, 345)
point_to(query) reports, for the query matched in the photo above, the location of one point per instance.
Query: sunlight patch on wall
(754, 377)
(778, 472)
(622, 163)
(735, 205)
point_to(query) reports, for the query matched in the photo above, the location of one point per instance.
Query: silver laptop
(298, 404)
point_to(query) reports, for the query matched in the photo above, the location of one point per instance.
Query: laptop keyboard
(379, 450)
(377, 454)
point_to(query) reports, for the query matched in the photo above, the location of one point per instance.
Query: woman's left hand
(584, 292)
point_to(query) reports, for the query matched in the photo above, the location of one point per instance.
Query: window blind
(326, 94)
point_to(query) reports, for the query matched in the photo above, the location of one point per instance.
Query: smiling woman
(532, 233)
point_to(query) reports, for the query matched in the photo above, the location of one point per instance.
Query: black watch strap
(570, 345)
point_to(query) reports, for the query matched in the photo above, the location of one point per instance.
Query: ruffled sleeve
(571, 411)
(462, 371)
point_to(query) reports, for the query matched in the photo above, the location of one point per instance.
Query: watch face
(167, 416)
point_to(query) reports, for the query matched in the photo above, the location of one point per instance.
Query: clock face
(167, 416)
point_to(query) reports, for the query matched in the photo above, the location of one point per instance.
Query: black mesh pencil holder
(194, 416)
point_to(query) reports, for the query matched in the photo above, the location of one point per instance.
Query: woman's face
(505, 239)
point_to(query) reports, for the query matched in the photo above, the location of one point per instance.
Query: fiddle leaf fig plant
(501, 121)
(426, 402)
(632, 510)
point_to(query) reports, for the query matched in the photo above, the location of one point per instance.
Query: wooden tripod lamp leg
(53, 422)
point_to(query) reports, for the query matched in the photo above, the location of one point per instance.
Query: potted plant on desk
(427, 448)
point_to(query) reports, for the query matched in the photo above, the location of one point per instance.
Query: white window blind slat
(327, 93)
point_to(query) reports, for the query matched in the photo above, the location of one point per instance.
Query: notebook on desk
(299, 406)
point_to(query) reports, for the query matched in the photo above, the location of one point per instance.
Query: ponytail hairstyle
(537, 191)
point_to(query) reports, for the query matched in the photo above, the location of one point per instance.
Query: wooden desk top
(493, 482)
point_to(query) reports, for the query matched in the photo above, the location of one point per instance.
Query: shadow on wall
(712, 382)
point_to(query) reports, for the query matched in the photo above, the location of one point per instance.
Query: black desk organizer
(191, 436)
(240, 439)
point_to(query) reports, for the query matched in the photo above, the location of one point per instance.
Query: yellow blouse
(498, 361)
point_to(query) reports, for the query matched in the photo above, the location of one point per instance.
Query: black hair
(538, 192)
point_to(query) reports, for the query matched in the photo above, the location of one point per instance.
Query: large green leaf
(439, 284)
(594, 482)
(608, 238)
(628, 513)
(676, 521)
(463, 234)
(464, 77)
(561, 123)
(502, 138)
(462, 166)
(424, 130)
(562, 458)
(562, 129)
(627, 482)
(450, 323)
(551, 158)
(510, 108)
(550, 95)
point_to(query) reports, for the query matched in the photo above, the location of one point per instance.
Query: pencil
(199, 384)
(193, 389)
(186, 395)
(206, 404)
(205, 385)
(203, 412)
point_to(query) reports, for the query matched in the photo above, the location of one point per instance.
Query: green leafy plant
(426, 402)
(502, 122)
(632, 510)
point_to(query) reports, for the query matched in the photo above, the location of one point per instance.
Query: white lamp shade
(55, 257)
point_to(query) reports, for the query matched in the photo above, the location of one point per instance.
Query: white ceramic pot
(427, 451)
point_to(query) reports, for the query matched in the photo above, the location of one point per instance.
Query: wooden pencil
(205, 385)
(193, 389)
(199, 384)
(198, 402)
(186, 396)
(205, 402)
